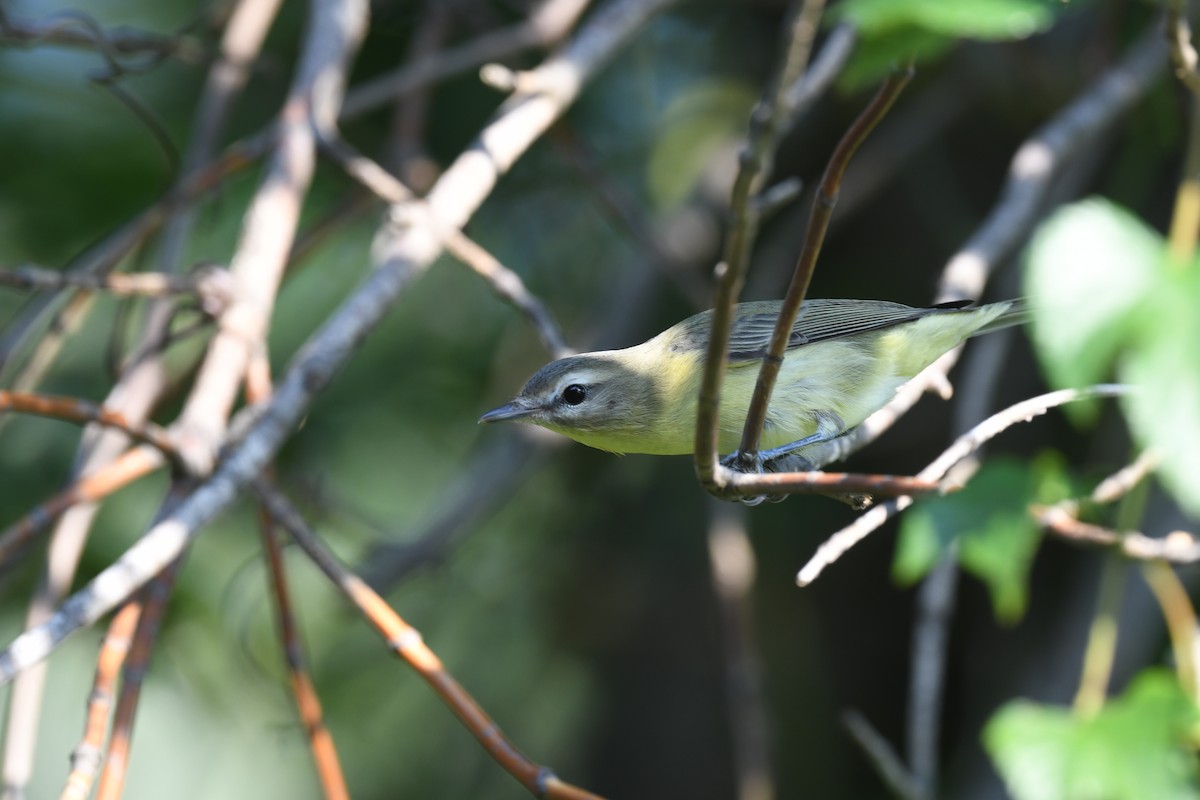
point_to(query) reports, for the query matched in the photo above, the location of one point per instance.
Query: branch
(133, 674)
(547, 24)
(881, 755)
(124, 470)
(211, 284)
(834, 547)
(814, 237)
(502, 280)
(85, 758)
(1178, 547)
(767, 124)
(76, 29)
(308, 704)
(82, 412)
(400, 259)
(1038, 162)
(407, 643)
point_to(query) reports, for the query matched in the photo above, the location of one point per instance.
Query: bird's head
(585, 397)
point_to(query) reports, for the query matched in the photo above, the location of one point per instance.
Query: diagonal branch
(836, 545)
(767, 124)
(407, 643)
(401, 256)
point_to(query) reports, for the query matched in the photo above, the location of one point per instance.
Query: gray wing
(818, 320)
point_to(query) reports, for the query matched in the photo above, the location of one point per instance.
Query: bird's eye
(574, 394)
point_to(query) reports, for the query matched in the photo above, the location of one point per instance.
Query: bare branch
(767, 124)
(401, 258)
(153, 601)
(85, 758)
(1178, 547)
(502, 280)
(837, 544)
(82, 412)
(308, 704)
(548, 23)
(880, 754)
(124, 470)
(210, 283)
(1039, 161)
(76, 29)
(814, 237)
(407, 643)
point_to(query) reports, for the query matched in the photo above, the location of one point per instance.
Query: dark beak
(516, 409)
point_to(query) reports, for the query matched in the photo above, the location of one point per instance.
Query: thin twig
(402, 254)
(130, 466)
(81, 412)
(86, 757)
(826, 65)
(814, 237)
(76, 29)
(837, 544)
(502, 280)
(880, 754)
(1185, 218)
(1038, 162)
(308, 704)
(154, 598)
(407, 643)
(767, 124)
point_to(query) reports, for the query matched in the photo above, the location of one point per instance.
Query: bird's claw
(753, 463)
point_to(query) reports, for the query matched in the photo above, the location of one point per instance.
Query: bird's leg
(829, 426)
(785, 458)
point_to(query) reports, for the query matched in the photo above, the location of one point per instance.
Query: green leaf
(1164, 412)
(1087, 273)
(990, 522)
(1137, 746)
(975, 19)
(875, 58)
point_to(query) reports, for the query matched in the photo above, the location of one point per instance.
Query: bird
(844, 360)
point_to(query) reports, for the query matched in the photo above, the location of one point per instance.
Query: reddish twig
(814, 237)
(308, 704)
(129, 467)
(154, 603)
(81, 412)
(406, 642)
(86, 757)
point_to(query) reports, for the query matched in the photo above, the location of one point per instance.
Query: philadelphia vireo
(845, 360)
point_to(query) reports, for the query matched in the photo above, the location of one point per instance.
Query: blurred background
(571, 591)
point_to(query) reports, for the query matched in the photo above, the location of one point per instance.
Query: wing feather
(819, 319)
